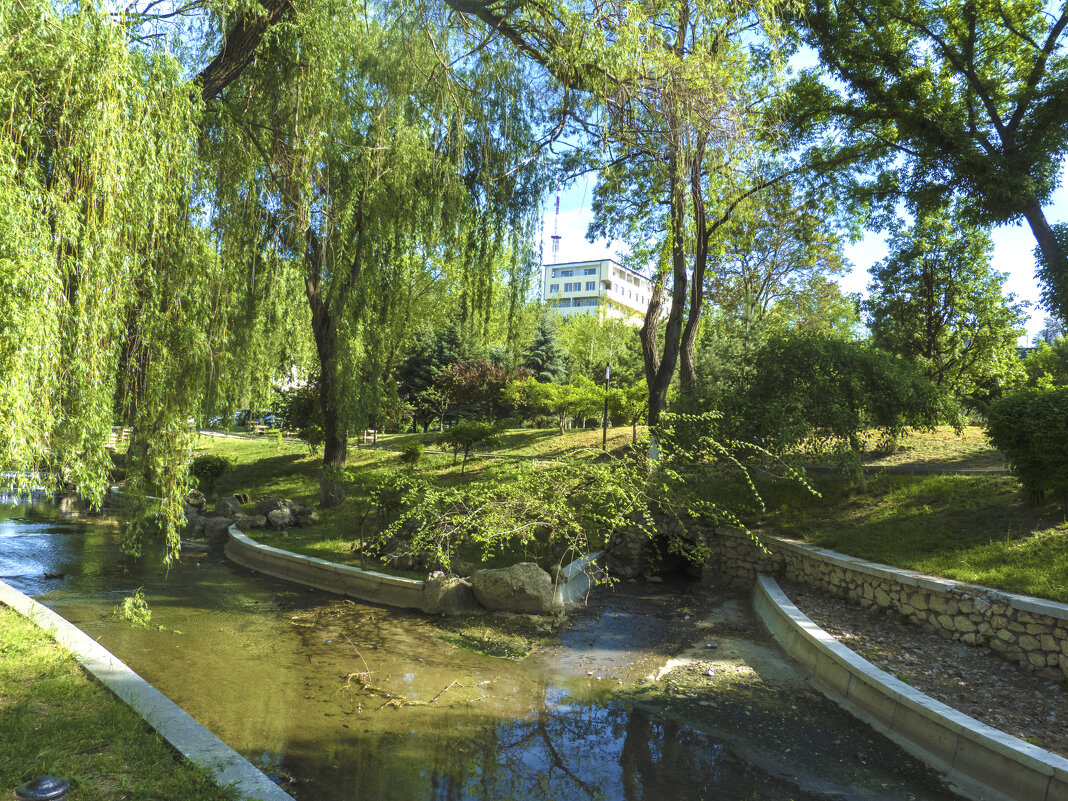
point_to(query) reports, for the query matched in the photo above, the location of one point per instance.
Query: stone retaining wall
(981, 762)
(1028, 631)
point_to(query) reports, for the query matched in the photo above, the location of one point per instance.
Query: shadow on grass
(291, 475)
(974, 528)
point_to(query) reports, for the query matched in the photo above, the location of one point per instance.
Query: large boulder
(193, 520)
(217, 529)
(268, 505)
(523, 587)
(228, 507)
(252, 522)
(196, 499)
(307, 516)
(449, 595)
(280, 518)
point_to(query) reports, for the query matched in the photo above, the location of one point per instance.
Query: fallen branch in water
(394, 699)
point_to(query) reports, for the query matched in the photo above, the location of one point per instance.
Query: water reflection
(348, 701)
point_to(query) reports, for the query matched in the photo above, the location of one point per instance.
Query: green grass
(267, 466)
(532, 443)
(972, 528)
(56, 720)
(941, 448)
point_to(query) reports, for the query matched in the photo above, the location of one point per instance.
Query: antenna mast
(556, 227)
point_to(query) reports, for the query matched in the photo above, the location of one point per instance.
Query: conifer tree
(545, 357)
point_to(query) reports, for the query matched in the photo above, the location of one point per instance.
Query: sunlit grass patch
(56, 720)
(971, 528)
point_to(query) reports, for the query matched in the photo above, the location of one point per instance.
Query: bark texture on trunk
(239, 47)
(324, 330)
(1047, 240)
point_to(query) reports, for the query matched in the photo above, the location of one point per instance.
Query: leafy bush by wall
(1031, 428)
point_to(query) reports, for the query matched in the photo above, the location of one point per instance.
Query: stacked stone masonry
(1028, 631)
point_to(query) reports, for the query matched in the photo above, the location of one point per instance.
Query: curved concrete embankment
(367, 585)
(1030, 631)
(370, 585)
(174, 724)
(984, 763)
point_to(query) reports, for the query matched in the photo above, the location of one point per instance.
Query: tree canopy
(942, 99)
(196, 205)
(936, 302)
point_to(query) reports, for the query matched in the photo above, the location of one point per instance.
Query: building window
(591, 285)
(565, 303)
(561, 273)
(554, 288)
(590, 271)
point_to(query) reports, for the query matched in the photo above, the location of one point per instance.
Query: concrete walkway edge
(173, 723)
(981, 762)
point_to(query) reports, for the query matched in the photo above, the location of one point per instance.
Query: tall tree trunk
(239, 47)
(659, 368)
(688, 370)
(324, 330)
(1047, 240)
(335, 430)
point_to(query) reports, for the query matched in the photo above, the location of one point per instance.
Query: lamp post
(604, 420)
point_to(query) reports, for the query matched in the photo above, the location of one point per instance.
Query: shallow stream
(342, 701)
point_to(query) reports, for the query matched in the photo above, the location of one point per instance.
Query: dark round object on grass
(46, 788)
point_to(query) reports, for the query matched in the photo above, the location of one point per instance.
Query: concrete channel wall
(984, 763)
(380, 588)
(367, 585)
(1029, 631)
(174, 724)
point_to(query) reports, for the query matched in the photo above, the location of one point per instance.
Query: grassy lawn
(268, 466)
(530, 443)
(973, 528)
(942, 448)
(56, 720)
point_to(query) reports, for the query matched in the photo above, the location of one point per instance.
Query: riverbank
(56, 720)
(974, 681)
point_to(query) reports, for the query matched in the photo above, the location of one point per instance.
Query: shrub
(1031, 428)
(814, 391)
(411, 453)
(313, 436)
(467, 435)
(207, 468)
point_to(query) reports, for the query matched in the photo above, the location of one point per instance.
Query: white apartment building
(596, 287)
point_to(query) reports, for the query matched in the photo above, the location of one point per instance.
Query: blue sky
(1013, 245)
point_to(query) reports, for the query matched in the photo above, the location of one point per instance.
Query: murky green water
(348, 701)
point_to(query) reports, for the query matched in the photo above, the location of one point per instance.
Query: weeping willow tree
(358, 155)
(104, 270)
(169, 245)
